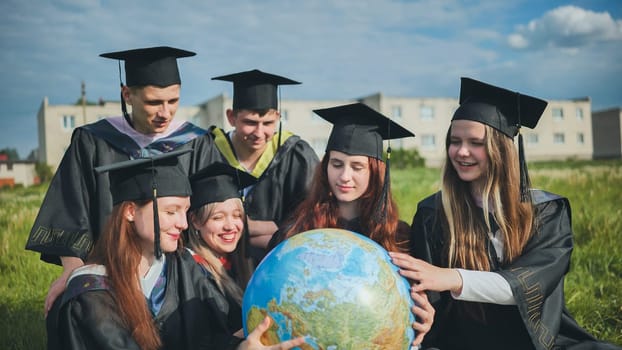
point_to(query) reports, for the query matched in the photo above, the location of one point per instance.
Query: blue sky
(338, 49)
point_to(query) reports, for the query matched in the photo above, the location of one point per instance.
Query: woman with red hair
(351, 190)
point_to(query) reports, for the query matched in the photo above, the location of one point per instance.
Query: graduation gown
(78, 201)
(539, 320)
(283, 174)
(193, 314)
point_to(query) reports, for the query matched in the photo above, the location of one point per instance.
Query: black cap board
(255, 89)
(151, 66)
(359, 130)
(500, 108)
(148, 179)
(217, 183)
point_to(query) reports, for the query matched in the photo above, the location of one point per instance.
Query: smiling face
(172, 219)
(224, 226)
(348, 176)
(467, 151)
(153, 108)
(252, 130)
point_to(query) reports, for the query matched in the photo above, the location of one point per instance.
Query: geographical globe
(336, 288)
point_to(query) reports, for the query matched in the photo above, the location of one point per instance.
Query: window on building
(558, 138)
(428, 141)
(580, 138)
(558, 113)
(69, 122)
(396, 112)
(579, 113)
(426, 112)
(531, 139)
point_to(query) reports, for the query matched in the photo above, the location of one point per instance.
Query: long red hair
(320, 209)
(119, 250)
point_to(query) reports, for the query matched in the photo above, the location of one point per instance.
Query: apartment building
(564, 131)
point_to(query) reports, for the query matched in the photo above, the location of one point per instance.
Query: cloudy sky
(338, 49)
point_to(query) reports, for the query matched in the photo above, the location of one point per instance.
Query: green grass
(593, 285)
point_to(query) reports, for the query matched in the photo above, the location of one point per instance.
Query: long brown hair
(119, 250)
(467, 225)
(320, 209)
(240, 263)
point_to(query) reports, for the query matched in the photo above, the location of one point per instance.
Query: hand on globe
(427, 276)
(253, 341)
(424, 313)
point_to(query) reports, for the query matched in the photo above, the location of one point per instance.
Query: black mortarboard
(217, 183)
(360, 130)
(150, 66)
(255, 89)
(147, 179)
(504, 110)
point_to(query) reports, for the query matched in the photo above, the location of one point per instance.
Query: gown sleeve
(63, 226)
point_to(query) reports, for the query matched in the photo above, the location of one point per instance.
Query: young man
(282, 162)
(78, 200)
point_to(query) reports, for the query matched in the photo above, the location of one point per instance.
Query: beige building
(564, 131)
(17, 173)
(607, 124)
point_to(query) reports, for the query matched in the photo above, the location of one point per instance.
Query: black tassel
(124, 110)
(381, 208)
(525, 183)
(123, 106)
(157, 250)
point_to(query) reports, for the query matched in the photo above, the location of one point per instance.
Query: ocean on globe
(336, 288)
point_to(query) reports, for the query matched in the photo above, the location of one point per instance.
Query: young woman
(217, 236)
(496, 251)
(139, 290)
(350, 189)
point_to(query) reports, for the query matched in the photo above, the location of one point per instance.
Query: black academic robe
(193, 314)
(78, 201)
(540, 319)
(283, 174)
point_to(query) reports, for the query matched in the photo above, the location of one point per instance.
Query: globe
(336, 288)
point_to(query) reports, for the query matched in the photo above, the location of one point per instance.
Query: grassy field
(593, 286)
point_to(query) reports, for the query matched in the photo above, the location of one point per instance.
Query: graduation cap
(147, 179)
(255, 89)
(155, 66)
(217, 183)
(359, 130)
(504, 110)
(151, 66)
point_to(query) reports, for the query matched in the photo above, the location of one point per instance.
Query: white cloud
(567, 27)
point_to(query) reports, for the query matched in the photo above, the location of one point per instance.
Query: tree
(43, 171)
(10, 152)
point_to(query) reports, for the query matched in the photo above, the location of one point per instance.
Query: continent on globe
(336, 288)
